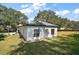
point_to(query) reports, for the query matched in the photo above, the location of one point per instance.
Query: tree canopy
(10, 17)
(51, 17)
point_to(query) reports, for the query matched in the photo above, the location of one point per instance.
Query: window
(36, 32)
(52, 31)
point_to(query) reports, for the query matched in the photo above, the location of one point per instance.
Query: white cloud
(31, 19)
(57, 12)
(26, 11)
(23, 6)
(65, 12)
(76, 11)
(35, 7)
(62, 13)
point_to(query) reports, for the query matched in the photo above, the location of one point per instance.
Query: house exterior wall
(55, 32)
(49, 30)
(23, 31)
(28, 32)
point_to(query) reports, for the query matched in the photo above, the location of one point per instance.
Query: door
(52, 32)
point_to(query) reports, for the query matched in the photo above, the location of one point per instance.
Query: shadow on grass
(62, 46)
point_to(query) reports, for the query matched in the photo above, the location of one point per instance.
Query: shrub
(2, 36)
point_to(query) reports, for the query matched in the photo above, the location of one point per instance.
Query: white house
(38, 30)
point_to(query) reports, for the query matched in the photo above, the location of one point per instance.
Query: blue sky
(65, 10)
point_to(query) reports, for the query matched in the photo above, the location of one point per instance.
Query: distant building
(62, 28)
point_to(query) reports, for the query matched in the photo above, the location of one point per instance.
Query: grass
(66, 33)
(68, 45)
(8, 44)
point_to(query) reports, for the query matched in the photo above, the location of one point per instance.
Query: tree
(51, 17)
(45, 15)
(11, 17)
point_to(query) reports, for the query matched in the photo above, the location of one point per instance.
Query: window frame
(36, 33)
(52, 32)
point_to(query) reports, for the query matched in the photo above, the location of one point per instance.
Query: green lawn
(8, 44)
(54, 46)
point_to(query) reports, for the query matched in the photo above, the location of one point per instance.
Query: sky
(64, 10)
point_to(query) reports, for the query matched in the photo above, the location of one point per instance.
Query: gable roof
(40, 23)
